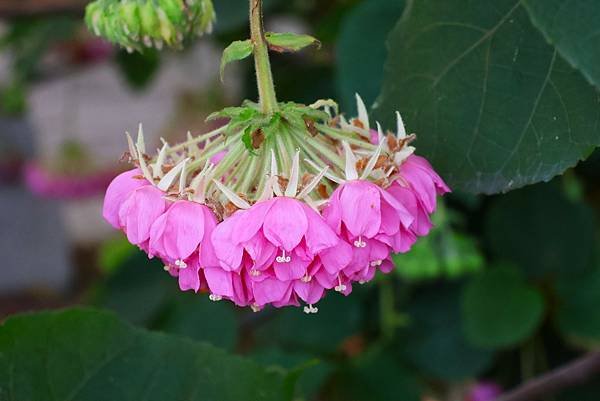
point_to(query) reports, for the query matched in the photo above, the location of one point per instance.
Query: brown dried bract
(310, 127)
(357, 123)
(282, 181)
(229, 209)
(166, 168)
(322, 191)
(361, 164)
(257, 137)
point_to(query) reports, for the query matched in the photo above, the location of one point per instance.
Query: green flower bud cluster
(135, 24)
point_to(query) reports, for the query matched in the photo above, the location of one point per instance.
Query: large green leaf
(361, 53)
(572, 26)
(577, 313)
(435, 341)
(87, 355)
(541, 231)
(495, 107)
(500, 309)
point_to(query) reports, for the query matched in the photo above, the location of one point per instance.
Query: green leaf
(138, 68)
(238, 50)
(571, 26)
(289, 42)
(500, 309)
(435, 342)
(579, 297)
(361, 50)
(193, 316)
(495, 107)
(541, 231)
(87, 355)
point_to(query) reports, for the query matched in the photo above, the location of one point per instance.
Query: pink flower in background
(417, 174)
(484, 391)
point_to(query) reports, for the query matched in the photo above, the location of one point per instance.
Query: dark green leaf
(571, 26)
(500, 309)
(195, 316)
(238, 50)
(541, 231)
(289, 42)
(494, 105)
(361, 51)
(89, 355)
(579, 297)
(435, 341)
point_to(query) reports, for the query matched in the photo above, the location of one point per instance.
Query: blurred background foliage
(506, 287)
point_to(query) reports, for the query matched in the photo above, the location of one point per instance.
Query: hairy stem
(264, 78)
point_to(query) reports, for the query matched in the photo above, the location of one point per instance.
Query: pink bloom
(417, 174)
(139, 211)
(118, 190)
(275, 243)
(178, 233)
(191, 277)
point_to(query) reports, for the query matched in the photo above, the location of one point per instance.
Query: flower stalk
(264, 77)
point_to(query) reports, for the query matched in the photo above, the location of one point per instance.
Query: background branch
(577, 372)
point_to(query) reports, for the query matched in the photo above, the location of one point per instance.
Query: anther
(376, 263)
(306, 278)
(215, 297)
(283, 258)
(166, 268)
(255, 273)
(310, 309)
(359, 243)
(340, 287)
(180, 264)
(255, 308)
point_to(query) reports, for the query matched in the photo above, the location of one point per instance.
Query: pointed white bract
(232, 196)
(372, 162)
(350, 169)
(363, 116)
(292, 186)
(132, 149)
(400, 130)
(160, 160)
(165, 183)
(313, 184)
(140, 144)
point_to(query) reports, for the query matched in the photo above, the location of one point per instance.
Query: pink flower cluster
(280, 251)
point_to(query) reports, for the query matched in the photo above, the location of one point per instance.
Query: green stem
(264, 78)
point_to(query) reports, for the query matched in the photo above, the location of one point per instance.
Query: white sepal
(232, 196)
(292, 187)
(275, 173)
(160, 159)
(363, 116)
(400, 130)
(132, 150)
(166, 182)
(350, 170)
(313, 183)
(183, 176)
(140, 144)
(329, 175)
(371, 164)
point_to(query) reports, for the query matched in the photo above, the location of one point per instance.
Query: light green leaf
(571, 26)
(494, 106)
(87, 355)
(289, 42)
(238, 50)
(500, 309)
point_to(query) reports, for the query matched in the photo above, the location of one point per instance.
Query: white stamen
(232, 196)
(350, 170)
(255, 273)
(363, 116)
(340, 287)
(166, 268)
(180, 264)
(401, 131)
(376, 263)
(361, 282)
(283, 258)
(372, 162)
(166, 182)
(215, 297)
(255, 308)
(359, 243)
(267, 192)
(306, 278)
(313, 183)
(310, 309)
(292, 187)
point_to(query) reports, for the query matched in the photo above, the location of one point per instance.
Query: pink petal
(292, 270)
(269, 290)
(117, 192)
(311, 292)
(285, 223)
(336, 258)
(361, 211)
(318, 236)
(219, 281)
(229, 255)
(139, 211)
(250, 221)
(189, 278)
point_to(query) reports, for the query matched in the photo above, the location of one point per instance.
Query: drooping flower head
(224, 220)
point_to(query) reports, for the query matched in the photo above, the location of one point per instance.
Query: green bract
(135, 24)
